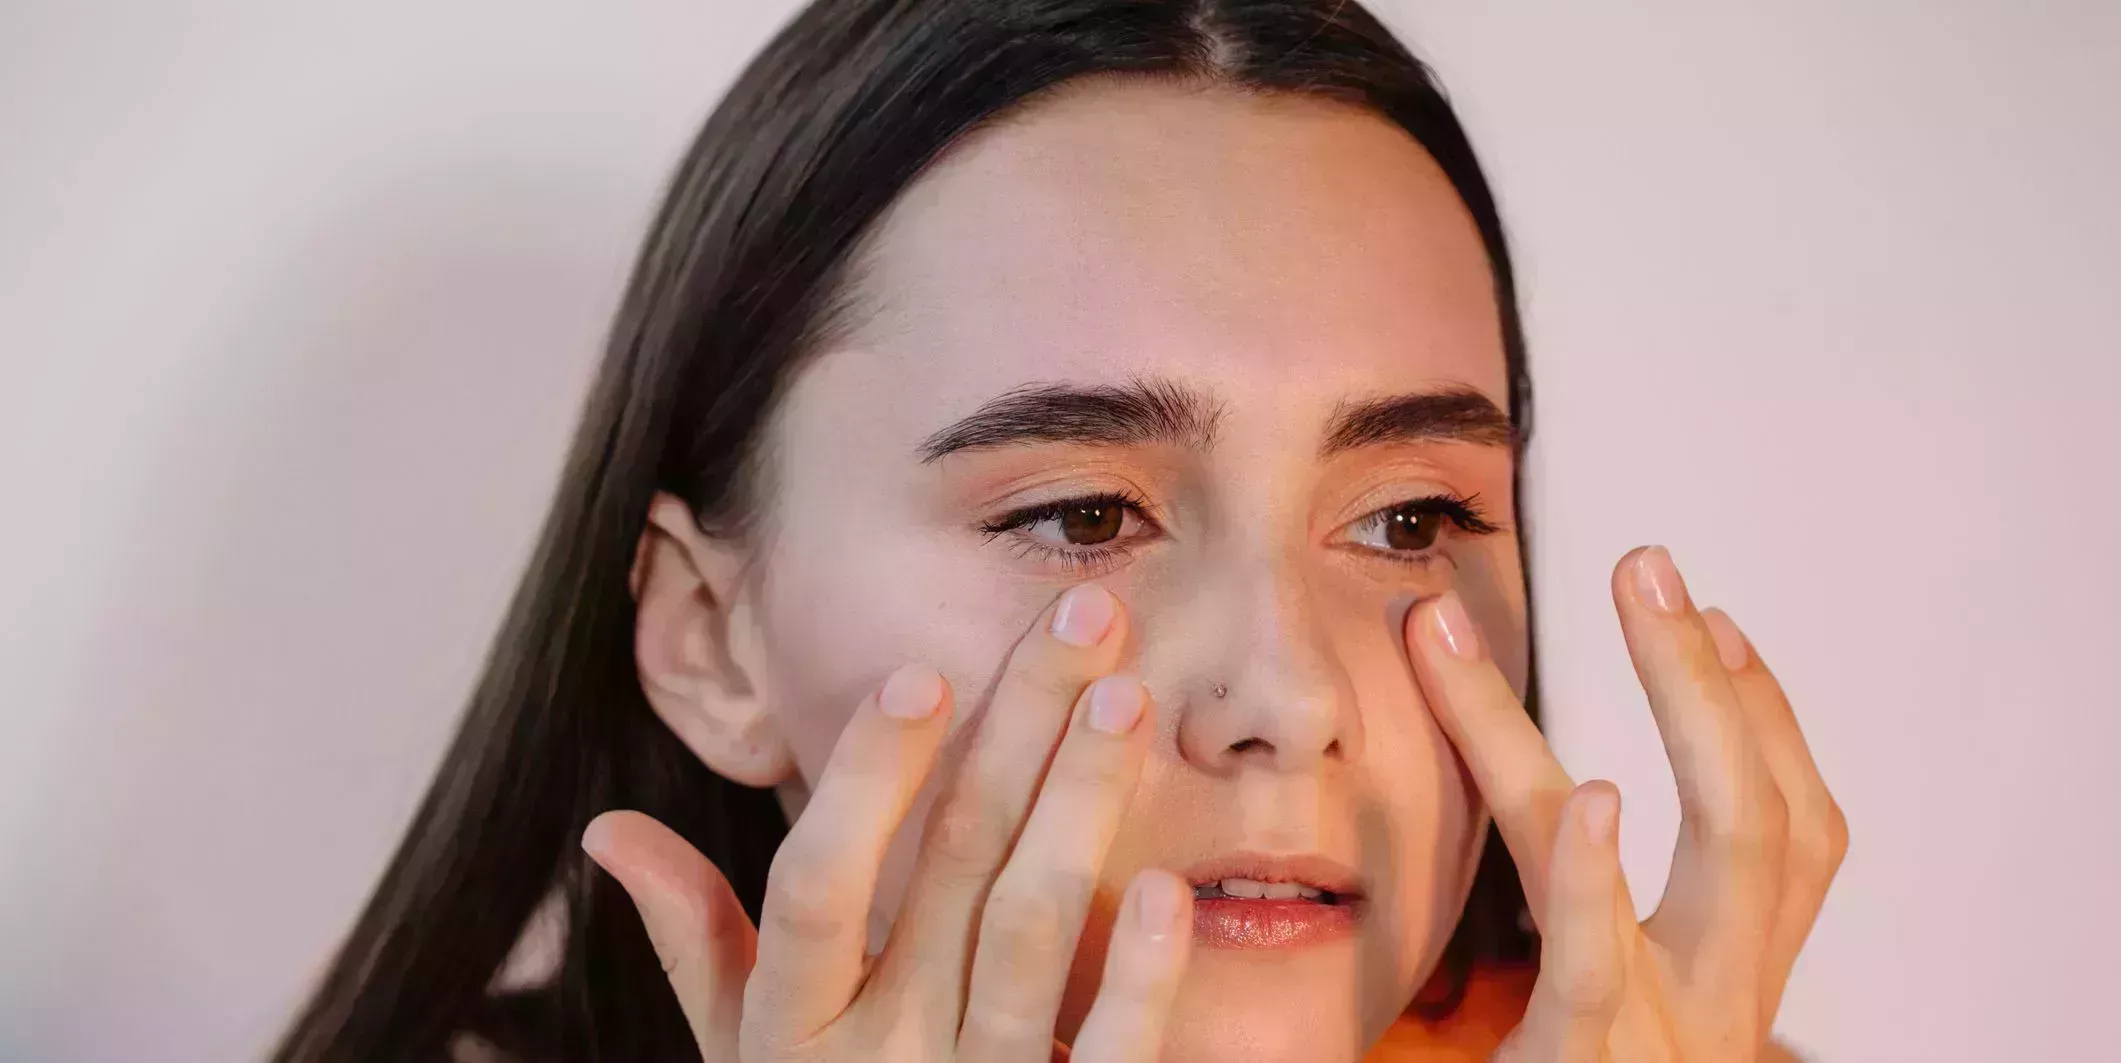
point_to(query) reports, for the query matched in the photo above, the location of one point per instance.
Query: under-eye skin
(1090, 532)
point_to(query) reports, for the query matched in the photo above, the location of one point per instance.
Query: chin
(1272, 1005)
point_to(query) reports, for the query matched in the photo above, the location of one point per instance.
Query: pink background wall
(295, 308)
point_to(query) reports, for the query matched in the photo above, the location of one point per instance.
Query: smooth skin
(1276, 263)
(1760, 840)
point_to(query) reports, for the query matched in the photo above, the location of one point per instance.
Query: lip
(1275, 923)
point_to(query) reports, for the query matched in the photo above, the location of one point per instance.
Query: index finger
(818, 891)
(1516, 772)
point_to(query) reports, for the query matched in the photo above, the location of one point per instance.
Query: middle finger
(988, 793)
(1733, 822)
(1034, 916)
(1517, 774)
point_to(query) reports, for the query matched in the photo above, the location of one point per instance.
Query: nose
(1289, 705)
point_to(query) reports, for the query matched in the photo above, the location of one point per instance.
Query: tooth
(1244, 887)
(1308, 893)
(1283, 891)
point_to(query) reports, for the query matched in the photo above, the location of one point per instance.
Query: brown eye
(1089, 525)
(1413, 529)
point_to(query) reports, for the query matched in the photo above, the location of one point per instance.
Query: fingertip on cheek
(1442, 624)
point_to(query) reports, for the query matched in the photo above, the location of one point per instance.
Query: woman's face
(1278, 263)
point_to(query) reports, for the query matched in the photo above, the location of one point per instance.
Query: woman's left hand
(1760, 837)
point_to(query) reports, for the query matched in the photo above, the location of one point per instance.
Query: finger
(1518, 776)
(1733, 826)
(1818, 832)
(987, 793)
(1034, 914)
(694, 921)
(814, 923)
(1582, 958)
(1151, 939)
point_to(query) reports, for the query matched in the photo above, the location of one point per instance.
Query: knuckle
(965, 841)
(996, 1024)
(1084, 772)
(1587, 993)
(1837, 829)
(802, 901)
(1030, 926)
(1773, 811)
(1048, 680)
(1814, 849)
(1753, 829)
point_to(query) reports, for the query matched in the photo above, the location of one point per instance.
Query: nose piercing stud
(1221, 690)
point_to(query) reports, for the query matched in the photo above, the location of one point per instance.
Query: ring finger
(1034, 915)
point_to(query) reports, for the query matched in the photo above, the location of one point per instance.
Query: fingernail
(1115, 704)
(1157, 902)
(1730, 644)
(1084, 615)
(911, 693)
(1657, 581)
(596, 839)
(1454, 629)
(1601, 814)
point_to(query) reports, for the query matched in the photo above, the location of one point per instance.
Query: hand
(1003, 883)
(1759, 840)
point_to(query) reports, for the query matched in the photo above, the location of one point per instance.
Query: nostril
(1249, 745)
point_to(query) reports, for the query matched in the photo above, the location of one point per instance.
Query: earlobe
(695, 647)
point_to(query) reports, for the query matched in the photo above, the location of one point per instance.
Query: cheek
(1420, 824)
(1491, 583)
(835, 626)
(836, 623)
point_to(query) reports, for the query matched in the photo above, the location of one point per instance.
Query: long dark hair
(743, 275)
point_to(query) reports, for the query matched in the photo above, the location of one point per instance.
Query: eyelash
(1082, 560)
(1464, 512)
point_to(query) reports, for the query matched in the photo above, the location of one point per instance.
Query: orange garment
(1494, 1003)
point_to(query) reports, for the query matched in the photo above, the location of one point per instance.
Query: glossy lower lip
(1247, 923)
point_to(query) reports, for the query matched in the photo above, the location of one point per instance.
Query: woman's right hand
(1007, 870)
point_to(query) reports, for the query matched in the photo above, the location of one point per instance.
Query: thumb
(699, 930)
(1581, 966)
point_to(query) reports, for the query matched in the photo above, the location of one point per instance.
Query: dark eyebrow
(1453, 415)
(1112, 415)
(1161, 411)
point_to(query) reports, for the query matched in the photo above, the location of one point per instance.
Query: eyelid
(1034, 512)
(1463, 512)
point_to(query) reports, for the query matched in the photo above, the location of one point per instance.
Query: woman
(1061, 456)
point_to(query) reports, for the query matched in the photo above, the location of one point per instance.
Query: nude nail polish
(1730, 644)
(1454, 629)
(1084, 615)
(1657, 581)
(1115, 704)
(911, 693)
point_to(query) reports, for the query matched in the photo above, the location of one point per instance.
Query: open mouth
(1258, 901)
(1255, 890)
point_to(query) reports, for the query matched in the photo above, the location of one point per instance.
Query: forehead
(1257, 246)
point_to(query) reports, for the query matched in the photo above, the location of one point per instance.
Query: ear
(696, 645)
